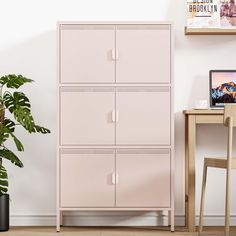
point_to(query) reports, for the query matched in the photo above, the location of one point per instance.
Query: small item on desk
(201, 104)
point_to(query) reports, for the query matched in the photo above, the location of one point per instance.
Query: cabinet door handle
(113, 178)
(117, 54)
(117, 116)
(114, 54)
(117, 178)
(113, 116)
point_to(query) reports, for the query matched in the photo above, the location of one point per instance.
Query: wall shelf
(207, 31)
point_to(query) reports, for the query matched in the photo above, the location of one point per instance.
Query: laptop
(222, 88)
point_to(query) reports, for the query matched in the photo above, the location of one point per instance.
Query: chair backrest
(230, 111)
(230, 121)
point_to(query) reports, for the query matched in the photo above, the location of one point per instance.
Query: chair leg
(202, 198)
(227, 204)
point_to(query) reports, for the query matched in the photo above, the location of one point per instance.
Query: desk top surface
(204, 112)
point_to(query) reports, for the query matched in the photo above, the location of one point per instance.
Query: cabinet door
(86, 53)
(86, 116)
(143, 178)
(143, 53)
(85, 178)
(144, 116)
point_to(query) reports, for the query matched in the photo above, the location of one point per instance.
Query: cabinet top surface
(114, 22)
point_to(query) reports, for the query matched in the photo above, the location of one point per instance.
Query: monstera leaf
(15, 101)
(14, 81)
(25, 118)
(6, 130)
(3, 180)
(18, 104)
(9, 155)
(4, 135)
(6, 127)
(40, 129)
(9, 124)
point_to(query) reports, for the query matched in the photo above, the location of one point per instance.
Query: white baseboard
(111, 219)
(32, 220)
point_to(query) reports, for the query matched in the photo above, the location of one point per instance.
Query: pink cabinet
(86, 178)
(86, 53)
(144, 116)
(143, 178)
(143, 53)
(86, 115)
(116, 118)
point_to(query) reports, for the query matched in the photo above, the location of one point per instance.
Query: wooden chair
(228, 164)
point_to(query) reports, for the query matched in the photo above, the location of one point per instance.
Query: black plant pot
(4, 212)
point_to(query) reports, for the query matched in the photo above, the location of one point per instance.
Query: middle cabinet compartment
(115, 115)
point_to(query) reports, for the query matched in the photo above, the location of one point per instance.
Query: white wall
(28, 47)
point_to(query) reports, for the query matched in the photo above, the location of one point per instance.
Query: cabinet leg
(61, 218)
(58, 221)
(169, 218)
(172, 221)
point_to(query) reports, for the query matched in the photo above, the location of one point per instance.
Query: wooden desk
(192, 119)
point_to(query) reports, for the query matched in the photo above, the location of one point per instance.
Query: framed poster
(203, 13)
(219, 14)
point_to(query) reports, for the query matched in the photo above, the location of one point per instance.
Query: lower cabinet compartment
(125, 178)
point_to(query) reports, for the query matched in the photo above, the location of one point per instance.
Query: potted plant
(19, 114)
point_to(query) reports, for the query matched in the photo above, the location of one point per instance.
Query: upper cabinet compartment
(143, 54)
(86, 53)
(103, 53)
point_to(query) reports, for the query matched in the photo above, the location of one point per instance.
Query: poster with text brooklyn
(203, 13)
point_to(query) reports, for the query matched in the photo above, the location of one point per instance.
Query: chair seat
(218, 162)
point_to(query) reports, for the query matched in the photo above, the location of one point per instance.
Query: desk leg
(190, 146)
(186, 173)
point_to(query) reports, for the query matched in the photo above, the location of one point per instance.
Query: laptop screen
(222, 87)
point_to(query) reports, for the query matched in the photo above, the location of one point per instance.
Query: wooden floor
(108, 231)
